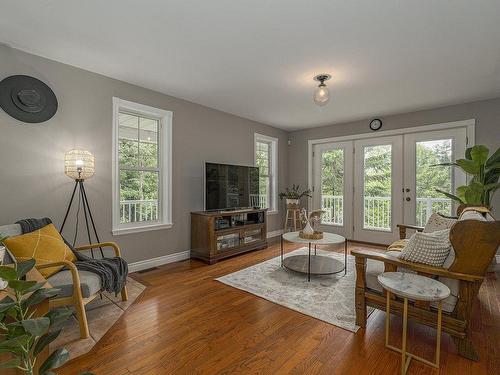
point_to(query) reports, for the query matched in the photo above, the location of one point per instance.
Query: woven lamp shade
(79, 164)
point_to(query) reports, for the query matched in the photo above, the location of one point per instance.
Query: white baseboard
(275, 233)
(155, 262)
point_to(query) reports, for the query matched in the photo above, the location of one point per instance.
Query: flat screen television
(230, 186)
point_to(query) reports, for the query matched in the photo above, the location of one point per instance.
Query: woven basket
(315, 236)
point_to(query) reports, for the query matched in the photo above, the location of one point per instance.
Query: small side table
(417, 288)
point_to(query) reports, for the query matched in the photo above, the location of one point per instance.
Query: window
(266, 158)
(142, 167)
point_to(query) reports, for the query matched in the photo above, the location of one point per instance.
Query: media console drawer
(216, 235)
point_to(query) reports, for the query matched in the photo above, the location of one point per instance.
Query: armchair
(474, 243)
(77, 287)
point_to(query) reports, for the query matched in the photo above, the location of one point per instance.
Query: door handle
(408, 199)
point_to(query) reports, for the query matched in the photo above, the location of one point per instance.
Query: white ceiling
(256, 58)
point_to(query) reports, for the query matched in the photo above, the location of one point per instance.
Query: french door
(378, 176)
(421, 178)
(333, 190)
(368, 186)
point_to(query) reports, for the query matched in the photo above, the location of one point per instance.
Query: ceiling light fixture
(321, 94)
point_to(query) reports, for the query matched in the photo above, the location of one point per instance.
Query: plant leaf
(15, 344)
(8, 273)
(45, 340)
(479, 154)
(55, 360)
(37, 326)
(6, 306)
(493, 159)
(468, 166)
(11, 363)
(58, 316)
(23, 267)
(35, 287)
(21, 286)
(451, 196)
(444, 165)
(493, 186)
(467, 153)
(40, 295)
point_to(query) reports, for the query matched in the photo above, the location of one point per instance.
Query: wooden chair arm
(114, 245)
(404, 227)
(423, 268)
(74, 274)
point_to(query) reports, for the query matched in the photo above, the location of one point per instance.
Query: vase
(308, 229)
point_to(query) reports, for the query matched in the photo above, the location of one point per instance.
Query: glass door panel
(423, 151)
(333, 187)
(377, 189)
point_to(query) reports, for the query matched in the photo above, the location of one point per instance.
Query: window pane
(263, 200)
(128, 136)
(332, 186)
(148, 146)
(377, 187)
(139, 193)
(263, 162)
(429, 178)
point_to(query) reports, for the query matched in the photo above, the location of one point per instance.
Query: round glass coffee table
(312, 263)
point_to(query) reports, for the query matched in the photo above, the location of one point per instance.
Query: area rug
(329, 298)
(102, 314)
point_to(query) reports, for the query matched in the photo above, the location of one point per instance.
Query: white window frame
(165, 166)
(273, 168)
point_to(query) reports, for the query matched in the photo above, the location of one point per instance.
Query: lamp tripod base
(82, 201)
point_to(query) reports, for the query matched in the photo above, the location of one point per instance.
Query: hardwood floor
(187, 323)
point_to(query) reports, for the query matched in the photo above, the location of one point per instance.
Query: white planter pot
(292, 202)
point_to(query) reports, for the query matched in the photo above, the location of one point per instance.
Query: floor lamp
(79, 165)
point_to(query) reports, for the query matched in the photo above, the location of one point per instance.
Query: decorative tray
(315, 236)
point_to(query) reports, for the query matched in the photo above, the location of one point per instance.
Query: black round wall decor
(27, 99)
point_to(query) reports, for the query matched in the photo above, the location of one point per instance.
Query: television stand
(216, 235)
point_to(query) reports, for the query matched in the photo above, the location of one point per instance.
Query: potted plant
(292, 195)
(484, 171)
(22, 334)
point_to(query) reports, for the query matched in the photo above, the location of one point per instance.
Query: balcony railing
(138, 210)
(377, 210)
(258, 200)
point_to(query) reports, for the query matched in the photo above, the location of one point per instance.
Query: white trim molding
(159, 261)
(164, 167)
(273, 143)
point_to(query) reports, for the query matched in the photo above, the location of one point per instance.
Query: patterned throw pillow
(45, 245)
(428, 248)
(438, 222)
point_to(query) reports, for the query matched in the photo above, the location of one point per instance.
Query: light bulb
(321, 95)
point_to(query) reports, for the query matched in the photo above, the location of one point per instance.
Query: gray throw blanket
(112, 271)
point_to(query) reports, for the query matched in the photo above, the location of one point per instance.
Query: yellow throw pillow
(45, 245)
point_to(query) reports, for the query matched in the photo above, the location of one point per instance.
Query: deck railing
(377, 210)
(258, 200)
(138, 210)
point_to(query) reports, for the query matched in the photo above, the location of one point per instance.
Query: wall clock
(375, 124)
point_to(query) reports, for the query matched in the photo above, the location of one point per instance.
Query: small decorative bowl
(315, 236)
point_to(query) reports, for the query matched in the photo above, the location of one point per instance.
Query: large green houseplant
(22, 334)
(484, 173)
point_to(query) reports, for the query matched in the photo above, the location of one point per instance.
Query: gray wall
(32, 182)
(486, 113)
